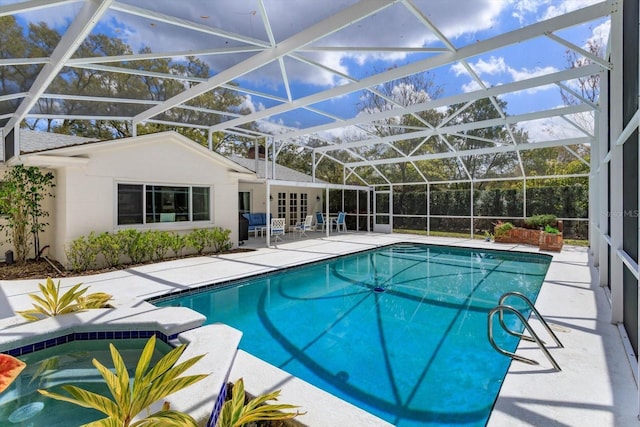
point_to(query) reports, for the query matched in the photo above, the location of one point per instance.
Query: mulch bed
(41, 269)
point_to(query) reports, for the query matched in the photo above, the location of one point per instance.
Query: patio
(494, 96)
(595, 387)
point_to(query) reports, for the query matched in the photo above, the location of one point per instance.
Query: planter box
(519, 235)
(551, 242)
(526, 236)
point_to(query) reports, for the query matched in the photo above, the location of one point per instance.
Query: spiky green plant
(51, 303)
(236, 414)
(94, 300)
(150, 384)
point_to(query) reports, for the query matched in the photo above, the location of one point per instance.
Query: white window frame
(173, 224)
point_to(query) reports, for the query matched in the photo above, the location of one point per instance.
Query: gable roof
(62, 151)
(32, 141)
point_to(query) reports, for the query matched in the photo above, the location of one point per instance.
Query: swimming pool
(70, 363)
(399, 331)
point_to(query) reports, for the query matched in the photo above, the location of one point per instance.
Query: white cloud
(248, 104)
(491, 67)
(528, 11)
(550, 129)
(523, 8)
(496, 66)
(57, 17)
(567, 6)
(600, 35)
(524, 73)
(471, 86)
(392, 27)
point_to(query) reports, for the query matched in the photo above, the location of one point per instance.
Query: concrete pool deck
(596, 386)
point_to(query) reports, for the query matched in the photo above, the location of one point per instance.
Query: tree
(39, 41)
(21, 196)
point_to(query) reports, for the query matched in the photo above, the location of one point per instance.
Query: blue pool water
(22, 405)
(400, 331)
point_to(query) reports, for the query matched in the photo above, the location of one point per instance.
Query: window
(282, 205)
(130, 206)
(148, 204)
(293, 209)
(244, 202)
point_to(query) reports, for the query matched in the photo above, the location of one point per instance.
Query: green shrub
(215, 238)
(502, 228)
(199, 239)
(110, 246)
(220, 239)
(551, 230)
(177, 244)
(159, 244)
(136, 245)
(82, 253)
(139, 246)
(540, 221)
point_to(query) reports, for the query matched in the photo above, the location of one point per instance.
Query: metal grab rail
(533, 309)
(534, 337)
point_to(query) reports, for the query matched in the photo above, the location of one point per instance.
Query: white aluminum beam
(184, 23)
(373, 49)
(460, 127)
(514, 37)
(162, 55)
(334, 23)
(23, 61)
(12, 96)
(593, 58)
(476, 152)
(454, 99)
(83, 23)
(30, 6)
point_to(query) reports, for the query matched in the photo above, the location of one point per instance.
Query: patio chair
(340, 223)
(277, 228)
(304, 226)
(320, 221)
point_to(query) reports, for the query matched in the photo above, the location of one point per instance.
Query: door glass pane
(382, 208)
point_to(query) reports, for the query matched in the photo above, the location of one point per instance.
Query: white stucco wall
(87, 198)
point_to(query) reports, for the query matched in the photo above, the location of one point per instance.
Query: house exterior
(158, 181)
(292, 195)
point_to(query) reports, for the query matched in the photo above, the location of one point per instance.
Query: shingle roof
(32, 140)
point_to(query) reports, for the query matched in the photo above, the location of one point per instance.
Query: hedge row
(133, 247)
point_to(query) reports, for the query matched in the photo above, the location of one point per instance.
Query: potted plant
(551, 239)
(501, 232)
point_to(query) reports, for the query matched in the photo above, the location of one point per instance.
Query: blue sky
(461, 21)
